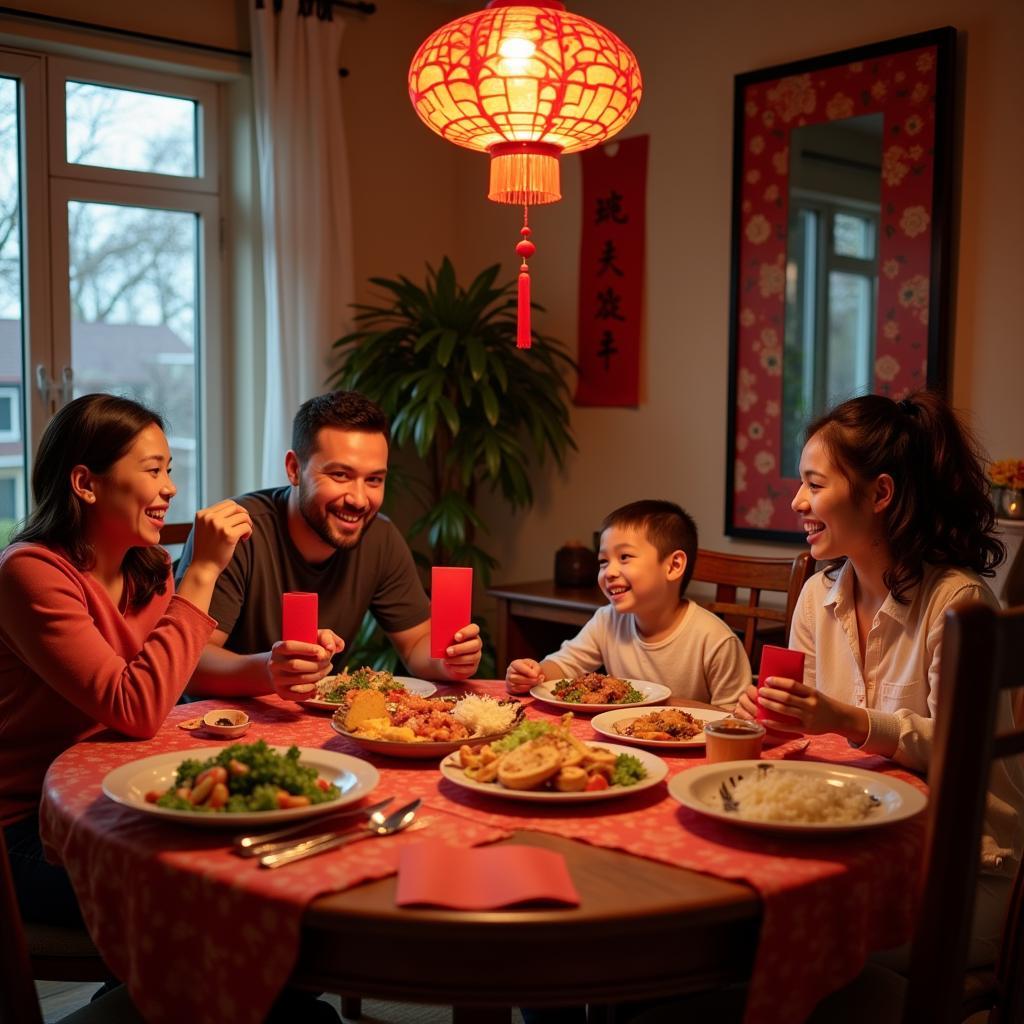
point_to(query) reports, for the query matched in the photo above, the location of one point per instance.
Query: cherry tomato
(596, 781)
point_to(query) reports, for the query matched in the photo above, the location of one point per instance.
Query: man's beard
(319, 521)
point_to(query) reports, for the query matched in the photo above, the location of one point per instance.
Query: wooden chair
(18, 1001)
(982, 655)
(175, 533)
(732, 573)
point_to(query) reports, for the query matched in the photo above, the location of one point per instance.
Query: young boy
(649, 630)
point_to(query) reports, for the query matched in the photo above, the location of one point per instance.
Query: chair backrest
(175, 533)
(732, 573)
(982, 655)
(18, 1001)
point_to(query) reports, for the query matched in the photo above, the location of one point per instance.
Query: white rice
(484, 716)
(789, 796)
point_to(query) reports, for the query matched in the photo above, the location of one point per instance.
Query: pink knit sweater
(72, 664)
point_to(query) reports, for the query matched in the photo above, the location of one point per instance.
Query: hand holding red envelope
(451, 606)
(482, 878)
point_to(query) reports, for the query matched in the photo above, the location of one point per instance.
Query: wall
(674, 445)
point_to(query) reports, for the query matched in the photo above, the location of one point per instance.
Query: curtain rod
(356, 5)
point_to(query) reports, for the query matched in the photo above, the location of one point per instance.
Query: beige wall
(415, 198)
(674, 445)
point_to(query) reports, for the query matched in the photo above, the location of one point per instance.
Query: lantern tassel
(526, 249)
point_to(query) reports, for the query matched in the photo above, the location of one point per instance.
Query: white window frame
(49, 182)
(12, 394)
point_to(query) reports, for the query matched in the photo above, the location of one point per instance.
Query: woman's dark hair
(93, 431)
(940, 512)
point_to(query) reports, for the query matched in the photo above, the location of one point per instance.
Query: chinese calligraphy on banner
(612, 273)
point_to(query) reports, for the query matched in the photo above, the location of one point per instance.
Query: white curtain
(305, 211)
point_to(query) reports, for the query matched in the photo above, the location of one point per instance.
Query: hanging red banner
(612, 272)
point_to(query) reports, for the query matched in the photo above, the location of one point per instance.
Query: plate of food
(407, 725)
(242, 784)
(332, 691)
(593, 690)
(665, 727)
(543, 762)
(796, 796)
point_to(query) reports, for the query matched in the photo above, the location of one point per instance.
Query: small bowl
(226, 723)
(733, 739)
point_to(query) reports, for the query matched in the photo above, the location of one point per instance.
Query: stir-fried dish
(595, 688)
(665, 724)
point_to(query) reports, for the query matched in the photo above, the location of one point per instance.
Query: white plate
(654, 693)
(129, 784)
(605, 724)
(698, 789)
(418, 686)
(656, 771)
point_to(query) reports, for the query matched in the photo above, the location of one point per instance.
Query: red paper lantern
(524, 82)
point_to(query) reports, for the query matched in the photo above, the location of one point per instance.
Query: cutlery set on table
(287, 845)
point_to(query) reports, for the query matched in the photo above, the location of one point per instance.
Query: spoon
(376, 825)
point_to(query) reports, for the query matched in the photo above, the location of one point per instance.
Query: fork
(252, 846)
(377, 825)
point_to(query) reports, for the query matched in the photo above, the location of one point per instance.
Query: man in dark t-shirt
(322, 533)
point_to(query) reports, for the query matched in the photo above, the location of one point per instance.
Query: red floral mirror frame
(910, 82)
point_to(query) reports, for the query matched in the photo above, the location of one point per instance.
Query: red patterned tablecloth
(198, 934)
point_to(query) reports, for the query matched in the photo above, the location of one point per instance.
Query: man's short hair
(346, 410)
(665, 525)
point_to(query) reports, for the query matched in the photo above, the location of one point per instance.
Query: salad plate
(608, 723)
(421, 687)
(652, 693)
(707, 789)
(129, 784)
(654, 766)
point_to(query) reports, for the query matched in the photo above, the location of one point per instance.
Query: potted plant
(471, 408)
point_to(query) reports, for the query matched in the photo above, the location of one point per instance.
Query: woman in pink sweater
(92, 634)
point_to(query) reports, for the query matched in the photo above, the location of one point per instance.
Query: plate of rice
(332, 691)
(417, 727)
(786, 796)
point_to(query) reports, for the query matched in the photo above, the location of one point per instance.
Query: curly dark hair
(347, 410)
(940, 512)
(93, 431)
(665, 525)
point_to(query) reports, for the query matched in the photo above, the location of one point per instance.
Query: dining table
(671, 901)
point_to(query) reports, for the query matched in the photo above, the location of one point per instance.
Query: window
(109, 249)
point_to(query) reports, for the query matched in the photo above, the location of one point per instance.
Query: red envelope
(451, 606)
(299, 617)
(784, 663)
(482, 878)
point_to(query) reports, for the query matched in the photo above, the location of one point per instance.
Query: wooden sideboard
(534, 618)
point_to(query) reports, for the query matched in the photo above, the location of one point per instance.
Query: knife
(253, 846)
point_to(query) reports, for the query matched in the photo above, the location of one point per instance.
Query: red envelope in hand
(451, 606)
(482, 878)
(299, 617)
(786, 664)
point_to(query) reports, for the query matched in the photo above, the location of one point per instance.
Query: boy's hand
(523, 674)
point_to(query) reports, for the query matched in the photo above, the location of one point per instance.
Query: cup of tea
(733, 739)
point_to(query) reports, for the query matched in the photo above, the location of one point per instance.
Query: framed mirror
(840, 252)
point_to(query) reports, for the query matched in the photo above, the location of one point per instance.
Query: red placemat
(835, 900)
(202, 935)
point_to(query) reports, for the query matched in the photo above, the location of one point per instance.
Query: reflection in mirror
(831, 270)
